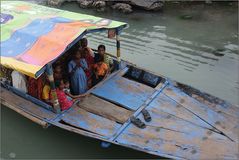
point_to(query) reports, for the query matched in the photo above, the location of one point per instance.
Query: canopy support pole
(118, 47)
(56, 105)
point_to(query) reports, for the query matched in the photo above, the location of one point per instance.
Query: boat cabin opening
(67, 78)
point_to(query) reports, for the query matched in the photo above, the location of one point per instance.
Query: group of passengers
(84, 70)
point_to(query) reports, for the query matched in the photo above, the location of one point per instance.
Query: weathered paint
(210, 101)
(26, 105)
(179, 128)
(169, 142)
(158, 90)
(169, 106)
(24, 114)
(168, 134)
(104, 109)
(80, 118)
(29, 97)
(128, 93)
(216, 120)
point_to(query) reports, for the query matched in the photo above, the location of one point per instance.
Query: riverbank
(129, 6)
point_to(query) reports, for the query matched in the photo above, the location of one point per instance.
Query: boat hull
(184, 125)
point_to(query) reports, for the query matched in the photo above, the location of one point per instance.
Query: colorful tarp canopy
(33, 35)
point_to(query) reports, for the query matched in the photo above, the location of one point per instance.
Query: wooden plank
(171, 122)
(78, 130)
(167, 105)
(167, 142)
(170, 135)
(105, 109)
(125, 92)
(224, 108)
(118, 72)
(25, 105)
(80, 118)
(211, 101)
(230, 127)
(159, 89)
(29, 116)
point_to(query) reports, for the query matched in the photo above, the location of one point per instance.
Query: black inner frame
(143, 77)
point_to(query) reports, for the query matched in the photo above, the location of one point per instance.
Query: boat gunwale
(55, 122)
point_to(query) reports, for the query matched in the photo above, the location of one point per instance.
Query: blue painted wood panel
(125, 92)
(172, 133)
(169, 106)
(80, 118)
(222, 123)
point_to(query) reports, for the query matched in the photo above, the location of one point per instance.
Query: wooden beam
(56, 105)
(118, 45)
(105, 109)
(32, 118)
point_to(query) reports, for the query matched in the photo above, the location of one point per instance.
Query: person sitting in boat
(101, 70)
(19, 81)
(107, 59)
(35, 86)
(78, 79)
(68, 92)
(46, 92)
(88, 57)
(57, 72)
(84, 63)
(88, 66)
(83, 45)
(5, 74)
(64, 102)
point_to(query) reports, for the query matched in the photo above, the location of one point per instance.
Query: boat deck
(181, 127)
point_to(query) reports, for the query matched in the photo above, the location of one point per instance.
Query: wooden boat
(186, 123)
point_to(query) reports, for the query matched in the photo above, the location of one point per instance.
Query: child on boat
(57, 69)
(68, 92)
(78, 79)
(89, 64)
(101, 52)
(46, 91)
(101, 70)
(64, 102)
(67, 86)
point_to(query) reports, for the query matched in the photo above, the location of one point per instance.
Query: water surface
(183, 50)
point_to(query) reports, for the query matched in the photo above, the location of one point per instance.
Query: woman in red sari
(35, 86)
(86, 56)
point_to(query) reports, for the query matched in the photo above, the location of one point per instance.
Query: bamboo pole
(118, 46)
(56, 105)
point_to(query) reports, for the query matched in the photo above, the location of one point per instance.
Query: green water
(162, 42)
